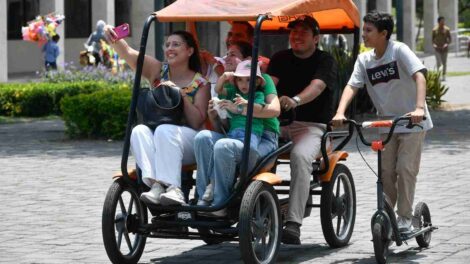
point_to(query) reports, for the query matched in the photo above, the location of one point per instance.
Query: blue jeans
(268, 143)
(217, 160)
(239, 133)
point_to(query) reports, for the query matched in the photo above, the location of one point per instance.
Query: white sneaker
(208, 195)
(153, 196)
(173, 196)
(404, 224)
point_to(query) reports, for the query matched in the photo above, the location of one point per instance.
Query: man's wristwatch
(296, 99)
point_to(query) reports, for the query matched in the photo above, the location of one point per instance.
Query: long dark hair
(194, 61)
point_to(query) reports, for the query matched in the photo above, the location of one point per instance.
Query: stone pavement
(53, 190)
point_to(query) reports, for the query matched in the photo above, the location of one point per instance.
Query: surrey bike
(384, 222)
(254, 211)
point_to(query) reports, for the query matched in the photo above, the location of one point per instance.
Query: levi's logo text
(383, 73)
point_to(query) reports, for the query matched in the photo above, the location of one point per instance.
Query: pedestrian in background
(51, 52)
(440, 41)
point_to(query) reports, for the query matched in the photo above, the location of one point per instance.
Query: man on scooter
(395, 80)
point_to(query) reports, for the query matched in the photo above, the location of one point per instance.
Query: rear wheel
(123, 213)
(381, 242)
(260, 224)
(423, 215)
(338, 207)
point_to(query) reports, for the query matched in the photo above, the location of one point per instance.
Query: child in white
(395, 81)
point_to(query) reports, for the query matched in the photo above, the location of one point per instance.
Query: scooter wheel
(381, 243)
(423, 216)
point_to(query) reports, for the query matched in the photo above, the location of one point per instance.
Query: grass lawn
(453, 74)
(9, 119)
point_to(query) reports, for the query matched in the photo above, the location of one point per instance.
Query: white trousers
(161, 154)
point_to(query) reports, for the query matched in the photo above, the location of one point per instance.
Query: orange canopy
(332, 15)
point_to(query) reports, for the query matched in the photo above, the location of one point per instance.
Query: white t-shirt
(389, 82)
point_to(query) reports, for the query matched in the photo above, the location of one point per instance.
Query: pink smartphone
(122, 31)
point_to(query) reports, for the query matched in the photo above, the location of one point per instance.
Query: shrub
(101, 114)
(40, 99)
(435, 90)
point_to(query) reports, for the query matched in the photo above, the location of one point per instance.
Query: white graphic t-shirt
(389, 82)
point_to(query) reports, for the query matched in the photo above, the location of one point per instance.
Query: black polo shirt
(295, 74)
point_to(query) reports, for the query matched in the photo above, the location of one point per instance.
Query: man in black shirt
(304, 77)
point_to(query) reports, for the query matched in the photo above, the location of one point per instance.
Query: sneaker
(291, 234)
(173, 196)
(153, 196)
(208, 195)
(404, 224)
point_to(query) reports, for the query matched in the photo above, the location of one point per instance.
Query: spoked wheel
(424, 217)
(338, 207)
(260, 224)
(381, 242)
(123, 213)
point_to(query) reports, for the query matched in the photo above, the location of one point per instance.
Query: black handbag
(160, 105)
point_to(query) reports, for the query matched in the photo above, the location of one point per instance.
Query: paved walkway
(53, 189)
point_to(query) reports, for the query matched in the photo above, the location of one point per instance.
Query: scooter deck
(416, 232)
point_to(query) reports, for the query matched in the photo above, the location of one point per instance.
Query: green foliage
(101, 114)
(435, 90)
(40, 99)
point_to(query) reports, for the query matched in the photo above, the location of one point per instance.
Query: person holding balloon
(51, 52)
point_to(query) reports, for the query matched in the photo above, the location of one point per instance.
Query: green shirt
(239, 120)
(272, 123)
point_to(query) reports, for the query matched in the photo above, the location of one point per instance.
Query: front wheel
(123, 213)
(381, 242)
(260, 224)
(423, 216)
(338, 207)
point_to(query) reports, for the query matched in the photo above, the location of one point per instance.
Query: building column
(57, 6)
(384, 6)
(139, 14)
(430, 20)
(102, 10)
(3, 42)
(449, 10)
(409, 27)
(362, 8)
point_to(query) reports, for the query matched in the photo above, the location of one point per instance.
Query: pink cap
(244, 70)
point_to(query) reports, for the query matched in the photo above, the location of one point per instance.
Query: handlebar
(380, 123)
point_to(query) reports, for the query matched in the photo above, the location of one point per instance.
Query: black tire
(260, 224)
(119, 221)
(423, 215)
(205, 236)
(381, 242)
(338, 207)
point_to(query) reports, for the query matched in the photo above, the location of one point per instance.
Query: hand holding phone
(122, 31)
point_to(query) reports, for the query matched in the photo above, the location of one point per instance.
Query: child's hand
(211, 111)
(239, 100)
(229, 106)
(228, 76)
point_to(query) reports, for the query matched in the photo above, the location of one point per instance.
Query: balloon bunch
(42, 28)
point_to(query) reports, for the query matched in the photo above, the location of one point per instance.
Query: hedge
(40, 99)
(101, 114)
